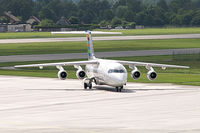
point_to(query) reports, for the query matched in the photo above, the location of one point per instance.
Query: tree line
(103, 12)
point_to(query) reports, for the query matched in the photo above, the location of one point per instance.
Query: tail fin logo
(89, 46)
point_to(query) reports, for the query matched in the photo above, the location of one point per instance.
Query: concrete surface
(43, 105)
(107, 38)
(21, 58)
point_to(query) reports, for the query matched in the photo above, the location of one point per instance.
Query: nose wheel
(87, 84)
(119, 89)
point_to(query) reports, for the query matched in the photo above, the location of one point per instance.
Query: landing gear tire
(90, 86)
(85, 86)
(87, 83)
(119, 89)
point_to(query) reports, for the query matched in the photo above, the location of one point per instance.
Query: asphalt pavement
(106, 38)
(47, 105)
(39, 57)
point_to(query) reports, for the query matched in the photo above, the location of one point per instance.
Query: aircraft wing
(59, 64)
(148, 65)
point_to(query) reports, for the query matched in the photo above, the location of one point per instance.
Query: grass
(149, 31)
(159, 31)
(23, 35)
(177, 76)
(100, 46)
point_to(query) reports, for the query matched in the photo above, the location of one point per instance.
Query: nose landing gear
(87, 83)
(119, 89)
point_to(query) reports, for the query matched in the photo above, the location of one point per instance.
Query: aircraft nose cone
(120, 79)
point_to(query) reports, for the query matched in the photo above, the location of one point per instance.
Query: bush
(104, 23)
(116, 21)
(131, 25)
(47, 23)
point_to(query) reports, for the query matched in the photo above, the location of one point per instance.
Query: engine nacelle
(80, 74)
(135, 74)
(151, 75)
(62, 74)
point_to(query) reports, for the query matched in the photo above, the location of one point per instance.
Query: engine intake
(135, 74)
(152, 75)
(62, 74)
(80, 74)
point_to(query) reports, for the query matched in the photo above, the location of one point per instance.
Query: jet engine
(62, 74)
(80, 74)
(152, 75)
(135, 74)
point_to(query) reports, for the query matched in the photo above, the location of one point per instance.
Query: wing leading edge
(147, 65)
(59, 64)
(130, 63)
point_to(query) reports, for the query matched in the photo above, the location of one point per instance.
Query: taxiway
(39, 57)
(47, 105)
(106, 38)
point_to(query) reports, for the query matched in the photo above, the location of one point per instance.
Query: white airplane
(102, 71)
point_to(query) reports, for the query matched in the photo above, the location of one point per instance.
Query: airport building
(13, 24)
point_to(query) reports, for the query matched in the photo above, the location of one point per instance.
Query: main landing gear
(119, 89)
(87, 83)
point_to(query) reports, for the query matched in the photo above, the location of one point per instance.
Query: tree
(119, 3)
(131, 25)
(140, 17)
(104, 23)
(90, 11)
(162, 4)
(175, 5)
(120, 11)
(74, 20)
(187, 17)
(47, 23)
(23, 8)
(164, 12)
(106, 14)
(47, 13)
(116, 21)
(4, 20)
(134, 5)
(196, 19)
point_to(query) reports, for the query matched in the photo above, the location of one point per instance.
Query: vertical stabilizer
(90, 46)
(89, 39)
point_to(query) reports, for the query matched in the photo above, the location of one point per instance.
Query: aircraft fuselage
(107, 73)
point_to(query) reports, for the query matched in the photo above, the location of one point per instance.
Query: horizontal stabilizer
(86, 32)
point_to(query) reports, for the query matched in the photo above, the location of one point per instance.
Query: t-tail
(90, 46)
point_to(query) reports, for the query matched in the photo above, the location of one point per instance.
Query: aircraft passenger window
(116, 71)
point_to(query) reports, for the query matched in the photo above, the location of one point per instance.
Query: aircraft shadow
(58, 89)
(105, 88)
(112, 89)
(95, 88)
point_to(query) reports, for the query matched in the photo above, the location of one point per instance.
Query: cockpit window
(116, 71)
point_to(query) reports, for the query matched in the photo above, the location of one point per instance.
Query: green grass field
(22, 35)
(159, 31)
(100, 46)
(149, 31)
(177, 76)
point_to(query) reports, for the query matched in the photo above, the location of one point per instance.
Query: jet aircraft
(102, 71)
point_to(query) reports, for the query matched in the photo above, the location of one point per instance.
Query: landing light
(41, 67)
